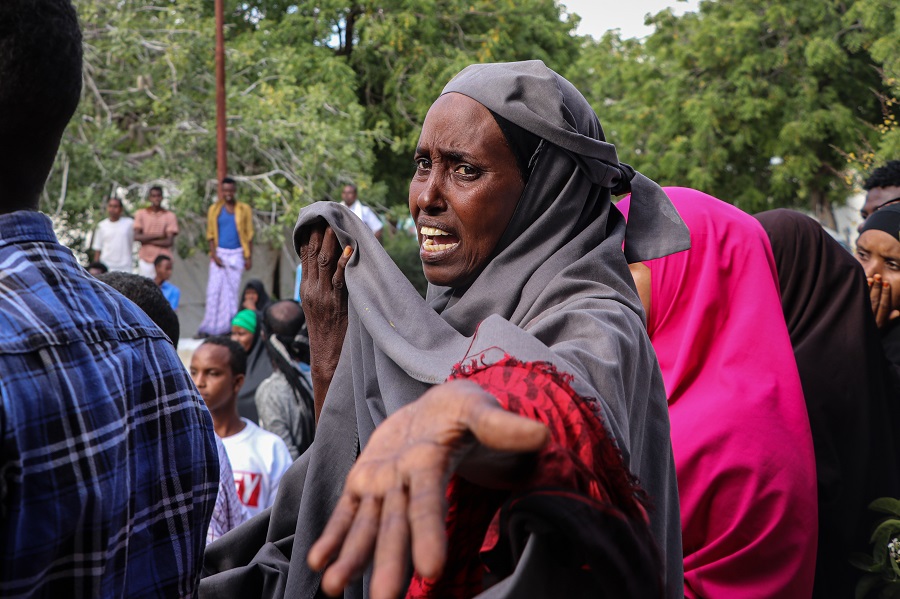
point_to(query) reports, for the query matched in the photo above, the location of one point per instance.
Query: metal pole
(221, 146)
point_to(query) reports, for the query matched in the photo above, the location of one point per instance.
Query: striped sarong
(222, 292)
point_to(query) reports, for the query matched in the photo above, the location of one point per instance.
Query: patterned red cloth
(580, 456)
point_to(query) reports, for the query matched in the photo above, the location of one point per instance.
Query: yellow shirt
(243, 220)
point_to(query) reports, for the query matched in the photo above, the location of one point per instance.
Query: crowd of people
(658, 397)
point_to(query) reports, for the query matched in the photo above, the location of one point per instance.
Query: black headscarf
(836, 343)
(263, 302)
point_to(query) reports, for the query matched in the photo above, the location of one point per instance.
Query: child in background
(163, 266)
(258, 458)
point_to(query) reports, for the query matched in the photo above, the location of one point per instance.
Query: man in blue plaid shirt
(108, 465)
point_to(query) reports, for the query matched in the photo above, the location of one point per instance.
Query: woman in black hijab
(845, 382)
(255, 297)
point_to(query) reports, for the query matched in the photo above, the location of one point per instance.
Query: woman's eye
(862, 255)
(893, 265)
(465, 169)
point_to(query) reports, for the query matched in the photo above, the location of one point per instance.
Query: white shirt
(258, 459)
(365, 213)
(114, 241)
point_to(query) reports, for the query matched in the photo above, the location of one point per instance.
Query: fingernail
(885, 285)
(347, 251)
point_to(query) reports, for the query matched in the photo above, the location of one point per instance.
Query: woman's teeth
(430, 246)
(431, 242)
(432, 232)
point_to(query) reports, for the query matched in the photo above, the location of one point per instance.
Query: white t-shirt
(365, 213)
(258, 460)
(114, 241)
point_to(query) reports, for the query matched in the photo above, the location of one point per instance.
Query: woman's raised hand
(394, 496)
(881, 297)
(324, 299)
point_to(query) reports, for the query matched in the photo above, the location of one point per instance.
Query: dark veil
(845, 382)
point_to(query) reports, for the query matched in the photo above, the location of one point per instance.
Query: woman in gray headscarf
(531, 315)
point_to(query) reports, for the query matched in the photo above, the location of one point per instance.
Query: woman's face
(879, 254)
(464, 192)
(242, 336)
(251, 297)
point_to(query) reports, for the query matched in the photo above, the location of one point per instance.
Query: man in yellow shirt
(229, 230)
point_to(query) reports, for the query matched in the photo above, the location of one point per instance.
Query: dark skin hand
(324, 298)
(880, 296)
(394, 497)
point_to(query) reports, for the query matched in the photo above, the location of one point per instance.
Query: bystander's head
(114, 208)
(878, 250)
(229, 189)
(148, 297)
(882, 189)
(97, 268)
(163, 266)
(40, 84)
(155, 196)
(348, 194)
(218, 367)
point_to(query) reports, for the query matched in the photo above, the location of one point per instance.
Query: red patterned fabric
(581, 456)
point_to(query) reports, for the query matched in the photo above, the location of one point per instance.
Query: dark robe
(845, 381)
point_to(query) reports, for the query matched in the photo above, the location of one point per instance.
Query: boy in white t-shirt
(113, 238)
(258, 458)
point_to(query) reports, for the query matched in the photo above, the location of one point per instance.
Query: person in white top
(258, 458)
(348, 196)
(114, 237)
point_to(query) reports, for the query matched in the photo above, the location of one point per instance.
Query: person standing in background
(113, 238)
(229, 230)
(348, 197)
(155, 228)
(163, 266)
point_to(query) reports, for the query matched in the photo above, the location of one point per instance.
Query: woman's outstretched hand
(324, 299)
(394, 494)
(881, 297)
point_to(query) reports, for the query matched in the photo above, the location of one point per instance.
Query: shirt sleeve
(172, 224)
(581, 457)
(176, 297)
(97, 243)
(280, 463)
(272, 415)
(371, 219)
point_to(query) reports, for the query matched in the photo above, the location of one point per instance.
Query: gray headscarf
(557, 290)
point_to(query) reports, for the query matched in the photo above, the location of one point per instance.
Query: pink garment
(740, 430)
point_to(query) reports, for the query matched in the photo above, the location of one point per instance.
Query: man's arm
(214, 255)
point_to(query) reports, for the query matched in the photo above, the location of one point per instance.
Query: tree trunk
(823, 209)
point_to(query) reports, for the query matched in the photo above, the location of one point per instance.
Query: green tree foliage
(296, 129)
(758, 103)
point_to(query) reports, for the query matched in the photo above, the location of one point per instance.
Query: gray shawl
(557, 290)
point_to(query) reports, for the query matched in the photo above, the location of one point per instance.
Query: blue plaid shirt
(108, 466)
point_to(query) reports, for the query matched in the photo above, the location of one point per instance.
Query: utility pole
(221, 145)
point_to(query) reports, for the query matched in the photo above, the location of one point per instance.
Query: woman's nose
(431, 199)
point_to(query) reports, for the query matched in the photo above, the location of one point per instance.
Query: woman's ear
(641, 274)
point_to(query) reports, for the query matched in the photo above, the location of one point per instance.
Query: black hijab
(887, 219)
(844, 375)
